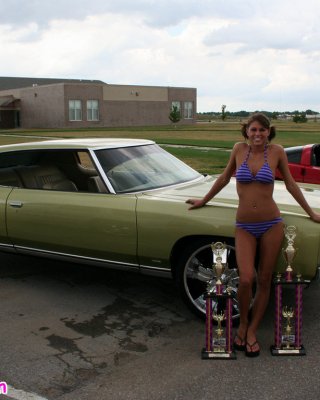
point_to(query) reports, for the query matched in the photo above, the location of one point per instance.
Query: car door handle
(16, 204)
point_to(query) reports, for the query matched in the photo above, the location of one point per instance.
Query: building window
(188, 110)
(92, 110)
(75, 110)
(176, 104)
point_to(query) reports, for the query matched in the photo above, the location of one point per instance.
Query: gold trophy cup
(218, 249)
(289, 252)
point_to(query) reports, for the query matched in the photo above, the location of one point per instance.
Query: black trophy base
(217, 355)
(288, 352)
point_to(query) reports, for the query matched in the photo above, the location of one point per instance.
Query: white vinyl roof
(77, 143)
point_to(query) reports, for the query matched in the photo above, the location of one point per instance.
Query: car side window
(9, 177)
(316, 156)
(294, 156)
(56, 170)
(84, 160)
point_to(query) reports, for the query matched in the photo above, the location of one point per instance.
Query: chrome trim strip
(57, 253)
(156, 271)
(7, 246)
(139, 142)
(144, 269)
(76, 257)
(149, 267)
(101, 171)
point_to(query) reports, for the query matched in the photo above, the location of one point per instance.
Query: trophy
(287, 342)
(219, 347)
(219, 342)
(289, 252)
(288, 339)
(218, 249)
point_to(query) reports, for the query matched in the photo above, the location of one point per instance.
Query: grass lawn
(217, 134)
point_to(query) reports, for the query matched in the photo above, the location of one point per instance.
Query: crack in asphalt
(128, 330)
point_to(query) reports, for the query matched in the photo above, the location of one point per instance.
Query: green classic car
(121, 203)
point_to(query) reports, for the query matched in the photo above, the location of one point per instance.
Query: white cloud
(254, 54)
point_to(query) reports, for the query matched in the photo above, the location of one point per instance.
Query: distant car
(121, 204)
(304, 163)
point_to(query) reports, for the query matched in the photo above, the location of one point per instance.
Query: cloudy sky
(247, 54)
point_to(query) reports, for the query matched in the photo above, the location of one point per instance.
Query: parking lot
(76, 332)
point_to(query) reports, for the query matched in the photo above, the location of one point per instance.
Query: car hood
(228, 195)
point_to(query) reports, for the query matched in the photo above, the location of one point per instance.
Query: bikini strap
(265, 153)
(248, 153)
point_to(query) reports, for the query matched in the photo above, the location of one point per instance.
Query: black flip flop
(252, 353)
(239, 347)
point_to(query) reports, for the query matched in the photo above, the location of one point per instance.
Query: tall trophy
(288, 320)
(218, 343)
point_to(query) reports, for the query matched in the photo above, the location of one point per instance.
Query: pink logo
(3, 388)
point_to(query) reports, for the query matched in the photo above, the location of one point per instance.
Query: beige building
(53, 103)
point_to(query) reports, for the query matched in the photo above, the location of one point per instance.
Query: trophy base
(288, 352)
(217, 355)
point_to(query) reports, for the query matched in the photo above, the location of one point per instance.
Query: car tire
(195, 273)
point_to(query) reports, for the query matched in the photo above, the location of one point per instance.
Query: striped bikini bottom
(257, 229)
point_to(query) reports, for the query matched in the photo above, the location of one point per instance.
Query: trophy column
(288, 341)
(218, 346)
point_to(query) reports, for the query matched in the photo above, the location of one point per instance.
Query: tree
(223, 112)
(299, 117)
(175, 115)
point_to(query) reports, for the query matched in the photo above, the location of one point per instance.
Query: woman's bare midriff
(256, 205)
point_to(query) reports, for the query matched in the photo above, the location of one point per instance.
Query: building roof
(6, 100)
(7, 82)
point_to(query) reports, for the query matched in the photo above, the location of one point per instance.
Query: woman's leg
(270, 244)
(246, 245)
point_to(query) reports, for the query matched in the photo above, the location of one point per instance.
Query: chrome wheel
(197, 276)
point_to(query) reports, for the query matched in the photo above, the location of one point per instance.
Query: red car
(304, 163)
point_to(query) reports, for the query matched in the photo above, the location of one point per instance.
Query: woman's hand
(195, 203)
(315, 217)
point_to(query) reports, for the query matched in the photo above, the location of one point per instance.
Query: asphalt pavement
(76, 332)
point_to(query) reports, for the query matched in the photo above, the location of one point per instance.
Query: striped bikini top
(264, 175)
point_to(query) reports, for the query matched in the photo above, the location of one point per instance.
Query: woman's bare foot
(240, 338)
(252, 345)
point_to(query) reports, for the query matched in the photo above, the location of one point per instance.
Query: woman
(258, 219)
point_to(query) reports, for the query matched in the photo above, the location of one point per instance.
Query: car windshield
(139, 168)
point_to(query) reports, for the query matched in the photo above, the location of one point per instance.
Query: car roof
(76, 143)
(294, 148)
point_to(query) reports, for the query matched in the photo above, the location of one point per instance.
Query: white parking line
(17, 394)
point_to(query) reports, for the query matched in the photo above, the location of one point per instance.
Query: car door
(311, 161)
(311, 174)
(294, 159)
(93, 225)
(5, 242)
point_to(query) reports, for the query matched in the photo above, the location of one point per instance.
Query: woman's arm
(219, 184)
(292, 186)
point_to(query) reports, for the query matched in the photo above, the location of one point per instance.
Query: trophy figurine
(287, 341)
(289, 252)
(219, 347)
(218, 249)
(288, 314)
(219, 342)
